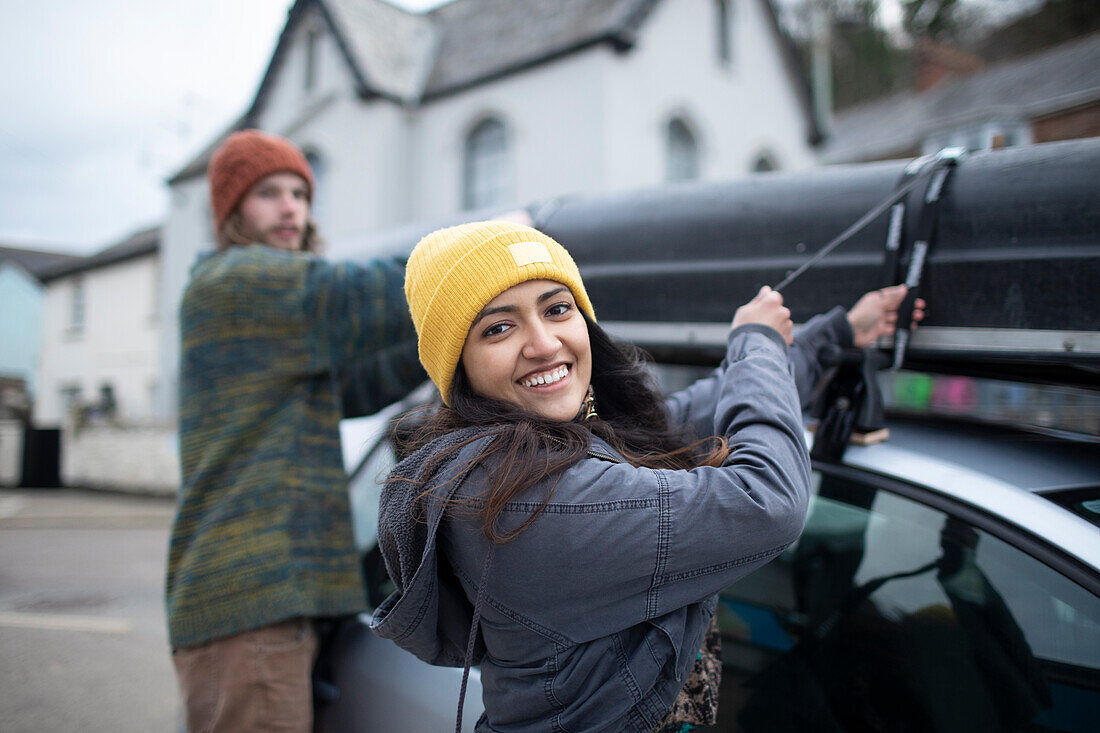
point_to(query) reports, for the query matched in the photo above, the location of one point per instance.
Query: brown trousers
(256, 681)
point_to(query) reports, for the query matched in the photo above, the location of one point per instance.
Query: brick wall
(1070, 125)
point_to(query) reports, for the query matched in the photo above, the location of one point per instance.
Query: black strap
(473, 632)
(895, 232)
(923, 238)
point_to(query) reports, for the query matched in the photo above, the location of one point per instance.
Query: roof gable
(295, 15)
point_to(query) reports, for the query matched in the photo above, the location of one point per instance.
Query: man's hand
(876, 314)
(766, 308)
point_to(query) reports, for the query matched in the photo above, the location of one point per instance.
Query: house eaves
(138, 244)
(35, 262)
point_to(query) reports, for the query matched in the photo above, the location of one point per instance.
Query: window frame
(676, 145)
(474, 154)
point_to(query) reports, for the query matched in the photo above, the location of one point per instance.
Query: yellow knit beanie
(453, 273)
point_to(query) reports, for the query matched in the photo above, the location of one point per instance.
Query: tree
(867, 61)
(936, 19)
(1055, 22)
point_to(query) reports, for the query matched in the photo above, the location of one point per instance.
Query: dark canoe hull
(1011, 279)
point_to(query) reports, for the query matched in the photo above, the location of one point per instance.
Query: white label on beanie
(527, 253)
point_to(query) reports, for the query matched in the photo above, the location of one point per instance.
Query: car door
(900, 611)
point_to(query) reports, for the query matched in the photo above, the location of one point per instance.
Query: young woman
(560, 524)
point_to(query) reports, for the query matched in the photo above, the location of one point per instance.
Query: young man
(277, 346)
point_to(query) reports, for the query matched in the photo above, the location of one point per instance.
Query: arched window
(764, 162)
(485, 179)
(682, 159)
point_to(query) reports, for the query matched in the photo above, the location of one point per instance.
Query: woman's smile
(546, 379)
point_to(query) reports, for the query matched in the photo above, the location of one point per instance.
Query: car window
(892, 615)
(1084, 502)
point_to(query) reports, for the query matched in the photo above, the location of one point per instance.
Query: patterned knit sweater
(276, 348)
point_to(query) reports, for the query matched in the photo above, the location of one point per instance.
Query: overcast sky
(103, 100)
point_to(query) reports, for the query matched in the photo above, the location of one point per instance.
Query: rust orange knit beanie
(244, 158)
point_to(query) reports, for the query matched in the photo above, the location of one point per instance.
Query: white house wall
(117, 346)
(553, 118)
(736, 110)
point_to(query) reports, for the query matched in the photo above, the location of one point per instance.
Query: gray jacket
(592, 617)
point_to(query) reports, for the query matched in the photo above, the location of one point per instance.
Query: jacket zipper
(603, 456)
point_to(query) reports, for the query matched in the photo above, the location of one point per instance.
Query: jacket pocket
(677, 636)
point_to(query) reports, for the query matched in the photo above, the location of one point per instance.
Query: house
(1046, 96)
(482, 104)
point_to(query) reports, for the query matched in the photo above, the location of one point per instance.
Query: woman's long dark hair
(528, 448)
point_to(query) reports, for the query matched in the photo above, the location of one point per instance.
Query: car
(948, 578)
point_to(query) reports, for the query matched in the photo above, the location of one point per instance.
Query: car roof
(1026, 459)
(997, 471)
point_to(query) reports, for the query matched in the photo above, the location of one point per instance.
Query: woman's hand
(766, 308)
(876, 314)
